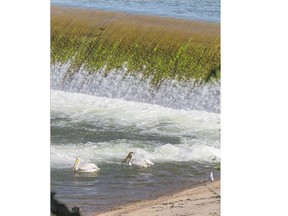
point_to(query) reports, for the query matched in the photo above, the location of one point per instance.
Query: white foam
(118, 84)
(64, 155)
(149, 118)
(197, 131)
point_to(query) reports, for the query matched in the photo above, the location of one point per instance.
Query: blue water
(205, 10)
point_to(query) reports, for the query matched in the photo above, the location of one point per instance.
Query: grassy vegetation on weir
(158, 48)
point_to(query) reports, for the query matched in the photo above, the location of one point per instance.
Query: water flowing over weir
(115, 88)
(184, 144)
(120, 85)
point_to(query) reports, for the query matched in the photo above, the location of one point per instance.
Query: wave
(121, 85)
(104, 130)
(63, 156)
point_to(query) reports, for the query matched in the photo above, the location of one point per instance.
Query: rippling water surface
(183, 145)
(208, 10)
(102, 118)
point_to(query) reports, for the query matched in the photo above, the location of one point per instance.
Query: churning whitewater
(104, 130)
(100, 119)
(101, 116)
(120, 84)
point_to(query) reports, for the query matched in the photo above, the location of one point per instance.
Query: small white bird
(85, 167)
(211, 177)
(137, 161)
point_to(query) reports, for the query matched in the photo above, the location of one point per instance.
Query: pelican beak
(125, 160)
(128, 157)
(75, 164)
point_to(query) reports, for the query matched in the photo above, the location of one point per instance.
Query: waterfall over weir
(119, 84)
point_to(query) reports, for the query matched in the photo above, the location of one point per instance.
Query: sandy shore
(202, 200)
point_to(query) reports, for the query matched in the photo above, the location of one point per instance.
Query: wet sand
(203, 200)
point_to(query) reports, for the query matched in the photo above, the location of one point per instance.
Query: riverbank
(202, 200)
(157, 47)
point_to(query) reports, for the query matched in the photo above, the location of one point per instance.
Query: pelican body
(137, 162)
(85, 167)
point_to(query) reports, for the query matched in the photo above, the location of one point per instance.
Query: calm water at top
(206, 10)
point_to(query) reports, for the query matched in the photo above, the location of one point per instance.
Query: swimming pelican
(136, 161)
(86, 167)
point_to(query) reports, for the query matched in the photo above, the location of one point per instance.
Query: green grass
(159, 48)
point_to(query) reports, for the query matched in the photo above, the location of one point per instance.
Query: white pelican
(85, 167)
(137, 162)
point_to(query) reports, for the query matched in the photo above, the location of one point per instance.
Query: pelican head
(128, 157)
(76, 164)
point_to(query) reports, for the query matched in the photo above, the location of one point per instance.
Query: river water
(101, 118)
(206, 10)
(101, 127)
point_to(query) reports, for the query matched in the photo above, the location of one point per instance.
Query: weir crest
(119, 84)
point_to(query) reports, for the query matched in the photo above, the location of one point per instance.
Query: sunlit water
(207, 10)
